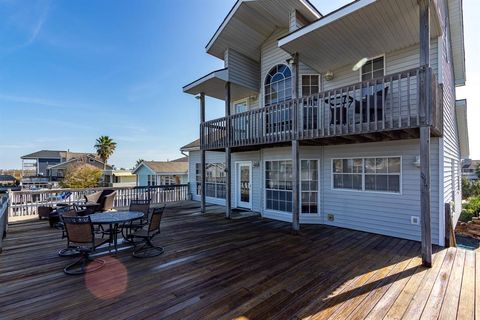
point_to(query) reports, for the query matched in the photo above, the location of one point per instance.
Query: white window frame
(235, 103)
(215, 183)
(311, 74)
(318, 187)
(363, 175)
(373, 58)
(265, 187)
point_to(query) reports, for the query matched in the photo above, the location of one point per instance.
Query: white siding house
(345, 88)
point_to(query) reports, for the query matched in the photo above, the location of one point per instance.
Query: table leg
(115, 236)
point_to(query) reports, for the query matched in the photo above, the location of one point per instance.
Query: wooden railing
(4, 202)
(26, 203)
(382, 104)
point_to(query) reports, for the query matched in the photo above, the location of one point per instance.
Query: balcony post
(425, 115)
(295, 149)
(228, 154)
(202, 153)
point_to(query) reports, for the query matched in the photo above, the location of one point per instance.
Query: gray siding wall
(383, 213)
(242, 70)
(451, 148)
(396, 61)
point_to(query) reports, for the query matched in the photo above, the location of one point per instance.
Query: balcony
(380, 109)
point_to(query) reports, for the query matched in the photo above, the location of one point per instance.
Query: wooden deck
(247, 267)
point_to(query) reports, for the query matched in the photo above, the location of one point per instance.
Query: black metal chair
(138, 205)
(81, 237)
(371, 103)
(145, 248)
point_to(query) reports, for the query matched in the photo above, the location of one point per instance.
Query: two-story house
(347, 119)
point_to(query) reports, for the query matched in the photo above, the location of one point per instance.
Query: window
(278, 85)
(382, 174)
(215, 180)
(278, 185)
(347, 174)
(374, 68)
(367, 174)
(241, 107)
(168, 180)
(151, 180)
(309, 186)
(310, 84)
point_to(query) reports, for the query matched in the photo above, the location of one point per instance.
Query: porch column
(202, 152)
(228, 155)
(425, 115)
(295, 149)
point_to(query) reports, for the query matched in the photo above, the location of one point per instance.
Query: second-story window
(374, 68)
(310, 84)
(278, 85)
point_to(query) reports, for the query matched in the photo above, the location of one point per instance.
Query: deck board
(248, 267)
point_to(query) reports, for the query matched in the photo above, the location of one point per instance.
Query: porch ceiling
(362, 29)
(250, 23)
(213, 85)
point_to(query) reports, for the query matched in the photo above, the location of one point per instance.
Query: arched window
(278, 85)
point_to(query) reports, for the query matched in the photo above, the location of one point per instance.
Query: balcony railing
(382, 104)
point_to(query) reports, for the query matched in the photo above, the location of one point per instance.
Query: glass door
(244, 185)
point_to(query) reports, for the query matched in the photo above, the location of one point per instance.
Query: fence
(26, 203)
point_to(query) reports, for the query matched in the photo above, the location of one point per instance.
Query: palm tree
(105, 147)
(138, 162)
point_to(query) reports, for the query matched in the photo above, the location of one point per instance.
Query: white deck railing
(26, 203)
(3, 218)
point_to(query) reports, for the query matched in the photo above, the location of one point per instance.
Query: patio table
(114, 219)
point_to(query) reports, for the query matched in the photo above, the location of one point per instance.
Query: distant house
(57, 172)
(157, 173)
(469, 169)
(49, 166)
(7, 180)
(119, 178)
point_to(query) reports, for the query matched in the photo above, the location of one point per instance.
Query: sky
(71, 71)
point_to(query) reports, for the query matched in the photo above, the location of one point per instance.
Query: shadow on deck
(251, 267)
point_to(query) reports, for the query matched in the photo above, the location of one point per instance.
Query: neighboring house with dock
(348, 119)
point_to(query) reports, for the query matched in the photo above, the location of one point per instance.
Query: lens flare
(109, 282)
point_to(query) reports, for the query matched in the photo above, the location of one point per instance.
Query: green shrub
(470, 188)
(473, 205)
(466, 215)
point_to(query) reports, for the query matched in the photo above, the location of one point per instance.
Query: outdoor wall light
(256, 164)
(416, 163)
(329, 76)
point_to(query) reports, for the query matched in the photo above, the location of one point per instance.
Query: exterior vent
(415, 220)
(330, 217)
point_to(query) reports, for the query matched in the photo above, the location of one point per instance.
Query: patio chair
(145, 248)
(379, 95)
(81, 237)
(44, 213)
(104, 199)
(139, 206)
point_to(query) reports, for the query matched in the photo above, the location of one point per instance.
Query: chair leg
(147, 250)
(82, 265)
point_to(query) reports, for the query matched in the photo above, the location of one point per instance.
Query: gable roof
(165, 167)
(250, 22)
(192, 146)
(44, 154)
(182, 159)
(81, 158)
